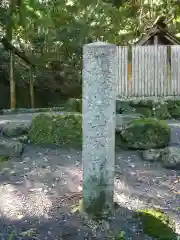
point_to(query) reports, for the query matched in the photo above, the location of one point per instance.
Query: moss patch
(56, 129)
(161, 111)
(157, 224)
(146, 133)
(4, 158)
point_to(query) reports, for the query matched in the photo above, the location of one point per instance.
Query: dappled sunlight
(16, 204)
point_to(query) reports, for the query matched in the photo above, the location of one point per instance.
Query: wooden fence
(152, 71)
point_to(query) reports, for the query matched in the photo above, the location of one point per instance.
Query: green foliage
(145, 133)
(56, 129)
(52, 34)
(157, 224)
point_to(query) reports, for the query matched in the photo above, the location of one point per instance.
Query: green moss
(41, 128)
(56, 129)
(67, 129)
(175, 112)
(161, 112)
(157, 224)
(145, 133)
(4, 158)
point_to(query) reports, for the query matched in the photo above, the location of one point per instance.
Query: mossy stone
(56, 129)
(175, 112)
(145, 133)
(67, 129)
(157, 224)
(161, 111)
(40, 129)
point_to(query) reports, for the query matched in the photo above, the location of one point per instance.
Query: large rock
(170, 158)
(10, 148)
(145, 133)
(12, 129)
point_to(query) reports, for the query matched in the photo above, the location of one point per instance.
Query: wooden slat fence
(154, 71)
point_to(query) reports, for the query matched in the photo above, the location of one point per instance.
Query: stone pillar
(99, 100)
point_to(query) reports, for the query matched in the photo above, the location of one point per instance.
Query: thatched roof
(158, 34)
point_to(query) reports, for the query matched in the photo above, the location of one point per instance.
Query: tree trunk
(31, 87)
(12, 82)
(9, 35)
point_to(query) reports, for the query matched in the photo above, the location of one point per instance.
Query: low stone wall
(167, 108)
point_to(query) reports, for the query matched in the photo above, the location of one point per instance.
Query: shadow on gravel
(76, 227)
(21, 182)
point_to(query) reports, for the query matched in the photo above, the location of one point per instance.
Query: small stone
(170, 158)
(151, 154)
(10, 148)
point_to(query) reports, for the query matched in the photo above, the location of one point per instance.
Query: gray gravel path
(37, 189)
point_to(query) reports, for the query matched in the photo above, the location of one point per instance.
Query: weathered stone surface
(99, 94)
(123, 119)
(145, 133)
(10, 148)
(170, 158)
(15, 129)
(152, 155)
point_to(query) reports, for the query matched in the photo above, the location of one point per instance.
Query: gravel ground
(37, 189)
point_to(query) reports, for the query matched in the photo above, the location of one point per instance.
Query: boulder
(15, 129)
(145, 133)
(56, 129)
(10, 148)
(170, 158)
